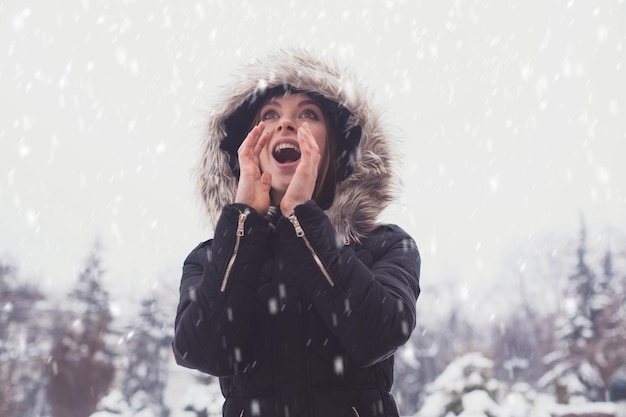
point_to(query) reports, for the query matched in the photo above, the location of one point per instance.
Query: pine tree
(8, 405)
(148, 347)
(610, 351)
(590, 331)
(520, 343)
(81, 369)
(23, 346)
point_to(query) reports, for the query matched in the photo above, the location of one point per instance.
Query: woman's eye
(270, 114)
(308, 114)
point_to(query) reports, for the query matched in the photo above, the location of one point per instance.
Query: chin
(281, 184)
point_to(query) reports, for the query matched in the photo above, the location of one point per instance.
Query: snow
(516, 405)
(477, 396)
(479, 403)
(185, 393)
(463, 373)
(509, 125)
(600, 409)
(434, 406)
(466, 380)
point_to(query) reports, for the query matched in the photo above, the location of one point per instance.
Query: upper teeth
(286, 145)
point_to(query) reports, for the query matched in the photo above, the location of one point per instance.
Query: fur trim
(362, 196)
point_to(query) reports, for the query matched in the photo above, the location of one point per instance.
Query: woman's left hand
(253, 188)
(302, 185)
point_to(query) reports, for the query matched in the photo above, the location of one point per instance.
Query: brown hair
(324, 191)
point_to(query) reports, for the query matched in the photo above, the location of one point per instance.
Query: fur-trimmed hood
(365, 156)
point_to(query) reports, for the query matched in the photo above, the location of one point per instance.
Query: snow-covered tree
(466, 387)
(24, 346)
(410, 374)
(147, 346)
(531, 284)
(8, 403)
(519, 344)
(590, 332)
(81, 368)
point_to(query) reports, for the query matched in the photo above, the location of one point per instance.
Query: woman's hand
(254, 187)
(302, 185)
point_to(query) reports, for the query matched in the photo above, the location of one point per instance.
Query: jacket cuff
(256, 229)
(324, 243)
(252, 247)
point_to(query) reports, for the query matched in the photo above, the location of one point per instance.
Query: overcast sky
(511, 119)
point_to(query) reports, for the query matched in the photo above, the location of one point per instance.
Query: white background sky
(511, 117)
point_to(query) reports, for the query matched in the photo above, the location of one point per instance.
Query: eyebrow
(306, 102)
(301, 103)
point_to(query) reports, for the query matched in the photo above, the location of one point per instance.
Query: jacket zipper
(300, 233)
(356, 413)
(239, 234)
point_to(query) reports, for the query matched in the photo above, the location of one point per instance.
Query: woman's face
(283, 115)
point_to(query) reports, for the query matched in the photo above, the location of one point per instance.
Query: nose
(286, 123)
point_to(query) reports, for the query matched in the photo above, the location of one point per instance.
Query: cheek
(263, 160)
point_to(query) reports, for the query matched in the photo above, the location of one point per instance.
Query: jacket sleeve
(217, 292)
(369, 308)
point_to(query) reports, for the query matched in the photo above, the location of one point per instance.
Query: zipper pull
(300, 233)
(240, 223)
(296, 224)
(239, 233)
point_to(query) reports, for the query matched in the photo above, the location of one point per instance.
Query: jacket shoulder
(199, 253)
(387, 234)
(388, 238)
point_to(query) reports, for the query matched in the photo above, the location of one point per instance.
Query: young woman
(301, 298)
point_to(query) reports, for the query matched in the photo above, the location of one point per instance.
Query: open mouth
(286, 152)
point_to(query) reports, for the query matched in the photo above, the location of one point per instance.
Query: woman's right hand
(254, 187)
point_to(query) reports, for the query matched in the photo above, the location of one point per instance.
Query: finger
(306, 140)
(260, 139)
(305, 126)
(305, 130)
(310, 136)
(266, 182)
(304, 135)
(264, 138)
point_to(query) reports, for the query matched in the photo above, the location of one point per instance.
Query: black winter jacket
(294, 322)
